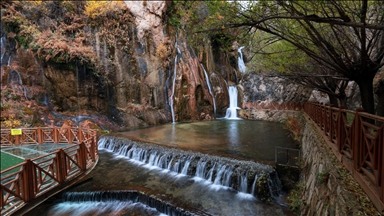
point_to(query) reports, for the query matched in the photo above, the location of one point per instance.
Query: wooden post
(381, 163)
(17, 139)
(39, 135)
(28, 181)
(80, 135)
(83, 156)
(55, 135)
(331, 123)
(1, 197)
(70, 135)
(61, 166)
(340, 136)
(356, 141)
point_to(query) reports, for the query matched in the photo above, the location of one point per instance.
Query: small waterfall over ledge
(247, 177)
(112, 202)
(210, 90)
(171, 98)
(241, 60)
(232, 109)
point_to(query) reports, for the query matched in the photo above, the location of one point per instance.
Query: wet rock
(262, 189)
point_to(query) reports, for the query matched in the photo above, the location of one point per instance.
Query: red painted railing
(355, 137)
(357, 140)
(31, 179)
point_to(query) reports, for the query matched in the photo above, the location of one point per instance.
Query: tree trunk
(366, 92)
(343, 100)
(333, 100)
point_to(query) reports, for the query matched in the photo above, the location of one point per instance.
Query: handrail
(46, 135)
(35, 177)
(357, 140)
(355, 137)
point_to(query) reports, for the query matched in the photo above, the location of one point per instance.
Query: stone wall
(324, 191)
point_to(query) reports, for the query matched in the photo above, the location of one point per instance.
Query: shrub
(96, 9)
(162, 51)
(12, 123)
(293, 124)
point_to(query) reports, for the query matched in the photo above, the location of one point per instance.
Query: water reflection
(245, 139)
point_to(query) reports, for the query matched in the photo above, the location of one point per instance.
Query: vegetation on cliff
(338, 41)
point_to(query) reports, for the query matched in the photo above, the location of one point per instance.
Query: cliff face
(257, 88)
(132, 69)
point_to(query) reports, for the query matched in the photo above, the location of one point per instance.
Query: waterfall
(240, 60)
(243, 187)
(218, 172)
(9, 61)
(113, 203)
(210, 90)
(173, 84)
(15, 77)
(232, 109)
(3, 48)
(254, 185)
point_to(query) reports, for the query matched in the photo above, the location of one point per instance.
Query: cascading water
(216, 171)
(3, 48)
(171, 98)
(113, 203)
(210, 90)
(232, 109)
(15, 78)
(241, 60)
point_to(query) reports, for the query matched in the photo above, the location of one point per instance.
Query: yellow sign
(16, 132)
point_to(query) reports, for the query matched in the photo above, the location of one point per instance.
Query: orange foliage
(94, 9)
(162, 51)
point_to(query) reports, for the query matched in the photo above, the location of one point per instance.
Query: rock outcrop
(142, 65)
(264, 88)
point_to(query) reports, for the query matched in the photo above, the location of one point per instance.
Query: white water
(210, 90)
(240, 60)
(232, 109)
(173, 85)
(20, 83)
(210, 170)
(3, 48)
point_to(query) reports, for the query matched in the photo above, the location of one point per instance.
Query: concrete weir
(248, 177)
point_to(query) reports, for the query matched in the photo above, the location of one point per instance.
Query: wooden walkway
(37, 177)
(355, 137)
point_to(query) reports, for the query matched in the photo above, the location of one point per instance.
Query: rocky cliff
(126, 63)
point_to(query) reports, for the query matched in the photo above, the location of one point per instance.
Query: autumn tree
(346, 37)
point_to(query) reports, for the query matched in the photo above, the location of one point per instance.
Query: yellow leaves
(36, 2)
(12, 123)
(94, 9)
(220, 17)
(162, 51)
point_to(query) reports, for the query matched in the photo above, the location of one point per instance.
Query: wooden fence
(355, 137)
(357, 140)
(35, 177)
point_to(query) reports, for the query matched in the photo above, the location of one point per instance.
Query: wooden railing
(357, 140)
(355, 137)
(33, 178)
